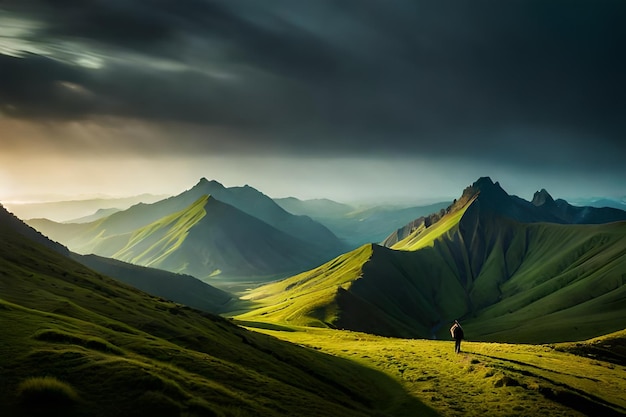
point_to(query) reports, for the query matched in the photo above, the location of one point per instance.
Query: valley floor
(485, 379)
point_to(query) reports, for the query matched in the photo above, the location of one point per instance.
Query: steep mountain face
(97, 347)
(490, 259)
(139, 235)
(495, 201)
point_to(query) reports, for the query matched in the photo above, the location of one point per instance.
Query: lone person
(457, 334)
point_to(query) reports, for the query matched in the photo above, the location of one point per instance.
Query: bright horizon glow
(346, 180)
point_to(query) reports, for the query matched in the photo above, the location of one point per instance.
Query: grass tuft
(46, 391)
(94, 343)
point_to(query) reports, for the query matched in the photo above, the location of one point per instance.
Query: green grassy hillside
(77, 343)
(308, 299)
(508, 281)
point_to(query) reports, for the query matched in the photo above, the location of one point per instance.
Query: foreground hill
(137, 235)
(183, 289)
(77, 343)
(506, 279)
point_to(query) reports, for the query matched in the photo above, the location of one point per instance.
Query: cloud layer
(531, 81)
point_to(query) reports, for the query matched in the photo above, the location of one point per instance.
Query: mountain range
(80, 338)
(73, 210)
(207, 231)
(512, 270)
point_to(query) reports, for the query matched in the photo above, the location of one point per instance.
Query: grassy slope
(409, 307)
(130, 354)
(308, 299)
(486, 379)
(152, 244)
(574, 292)
(127, 353)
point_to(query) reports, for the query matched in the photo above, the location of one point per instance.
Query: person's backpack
(458, 332)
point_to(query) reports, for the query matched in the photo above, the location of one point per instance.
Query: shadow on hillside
(387, 397)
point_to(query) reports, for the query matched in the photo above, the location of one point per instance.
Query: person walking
(457, 334)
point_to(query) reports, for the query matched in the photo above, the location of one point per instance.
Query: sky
(371, 100)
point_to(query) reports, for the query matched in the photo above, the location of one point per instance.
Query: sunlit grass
(153, 243)
(485, 379)
(424, 237)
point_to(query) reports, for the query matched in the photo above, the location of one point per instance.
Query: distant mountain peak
(541, 198)
(485, 184)
(204, 182)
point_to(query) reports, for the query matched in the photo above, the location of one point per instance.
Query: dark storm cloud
(352, 76)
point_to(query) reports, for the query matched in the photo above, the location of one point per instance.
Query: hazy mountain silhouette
(600, 202)
(358, 225)
(246, 199)
(65, 211)
(99, 214)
